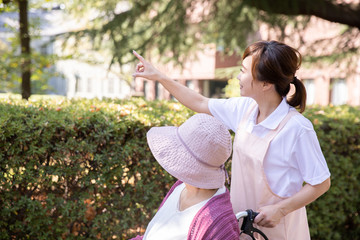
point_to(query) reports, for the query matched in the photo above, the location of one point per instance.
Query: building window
(216, 88)
(44, 49)
(111, 87)
(338, 91)
(190, 84)
(159, 91)
(146, 88)
(89, 86)
(120, 83)
(310, 91)
(78, 83)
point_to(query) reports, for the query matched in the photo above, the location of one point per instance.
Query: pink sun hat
(194, 152)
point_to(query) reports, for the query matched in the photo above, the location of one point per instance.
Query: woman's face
(248, 85)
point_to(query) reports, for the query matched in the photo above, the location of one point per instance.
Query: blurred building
(327, 82)
(85, 74)
(198, 74)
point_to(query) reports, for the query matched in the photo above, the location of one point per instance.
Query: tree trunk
(25, 49)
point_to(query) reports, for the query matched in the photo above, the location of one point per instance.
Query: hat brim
(173, 156)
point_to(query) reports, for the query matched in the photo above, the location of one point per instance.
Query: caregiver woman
(275, 149)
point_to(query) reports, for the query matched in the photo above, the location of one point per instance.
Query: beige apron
(250, 188)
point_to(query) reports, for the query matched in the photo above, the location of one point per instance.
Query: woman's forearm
(306, 195)
(186, 96)
(270, 216)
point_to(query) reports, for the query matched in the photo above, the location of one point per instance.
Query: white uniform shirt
(294, 155)
(171, 223)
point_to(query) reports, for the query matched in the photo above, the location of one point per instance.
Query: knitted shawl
(214, 221)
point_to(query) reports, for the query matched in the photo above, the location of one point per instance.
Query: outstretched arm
(270, 216)
(183, 94)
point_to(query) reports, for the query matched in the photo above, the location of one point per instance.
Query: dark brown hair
(276, 63)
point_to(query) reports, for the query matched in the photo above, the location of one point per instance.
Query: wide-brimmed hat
(195, 152)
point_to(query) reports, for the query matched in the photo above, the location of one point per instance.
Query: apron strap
(248, 113)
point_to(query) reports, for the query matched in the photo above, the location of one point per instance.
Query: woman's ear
(267, 86)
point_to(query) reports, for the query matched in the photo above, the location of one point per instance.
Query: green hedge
(335, 215)
(81, 169)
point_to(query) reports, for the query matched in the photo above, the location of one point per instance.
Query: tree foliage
(140, 25)
(175, 28)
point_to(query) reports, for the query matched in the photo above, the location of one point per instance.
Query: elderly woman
(198, 205)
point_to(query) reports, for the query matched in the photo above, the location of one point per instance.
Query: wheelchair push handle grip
(247, 225)
(252, 214)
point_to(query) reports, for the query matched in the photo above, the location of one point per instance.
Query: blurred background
(74, 162)
(81, 48)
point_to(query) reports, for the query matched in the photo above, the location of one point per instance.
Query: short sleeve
(229, 111)
(310, 159)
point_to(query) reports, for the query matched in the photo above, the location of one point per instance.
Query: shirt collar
(274, 119)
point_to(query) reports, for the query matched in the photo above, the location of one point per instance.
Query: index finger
(258, 218)
(139, 56)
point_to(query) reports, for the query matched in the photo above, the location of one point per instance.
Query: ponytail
(298, 99)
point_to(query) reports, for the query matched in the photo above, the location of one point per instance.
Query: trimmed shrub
(81, 169)
(335, 215)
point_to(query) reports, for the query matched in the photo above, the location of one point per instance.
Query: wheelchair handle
(247, 225)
